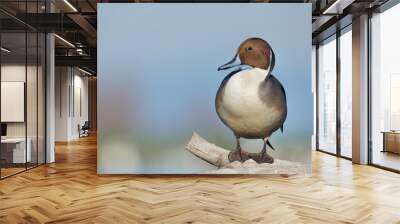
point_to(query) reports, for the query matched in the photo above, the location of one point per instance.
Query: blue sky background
(157, 80)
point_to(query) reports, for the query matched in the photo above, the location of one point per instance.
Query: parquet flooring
(10, 171)
(70, 191)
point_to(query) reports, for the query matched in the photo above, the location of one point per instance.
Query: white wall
(69, 84)
(16, 73)
(79, 117)
(33, 127)
(62, 81)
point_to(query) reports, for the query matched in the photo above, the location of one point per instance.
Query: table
(15, 148)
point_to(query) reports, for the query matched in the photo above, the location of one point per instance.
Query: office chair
(84, 130)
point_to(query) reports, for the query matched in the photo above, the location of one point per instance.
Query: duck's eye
(249, 48)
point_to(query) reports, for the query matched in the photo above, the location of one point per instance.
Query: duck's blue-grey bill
(230, 64)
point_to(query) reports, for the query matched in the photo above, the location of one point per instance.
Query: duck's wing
(276, 81)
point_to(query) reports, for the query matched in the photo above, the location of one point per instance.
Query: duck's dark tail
(269, 144)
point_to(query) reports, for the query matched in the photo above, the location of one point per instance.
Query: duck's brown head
(254, 52)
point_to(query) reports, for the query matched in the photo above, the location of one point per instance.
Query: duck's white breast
(241, 107)
(241, 94)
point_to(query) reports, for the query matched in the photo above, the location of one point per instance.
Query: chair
(84, 130)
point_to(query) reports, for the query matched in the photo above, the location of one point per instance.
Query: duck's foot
(238, 155)
(261, 157)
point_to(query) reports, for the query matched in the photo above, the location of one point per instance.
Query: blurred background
(164, 74)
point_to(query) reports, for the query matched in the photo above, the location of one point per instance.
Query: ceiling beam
(82, 61)
(84, 24)
(338, 6)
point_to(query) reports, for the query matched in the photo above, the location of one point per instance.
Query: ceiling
(75, 21)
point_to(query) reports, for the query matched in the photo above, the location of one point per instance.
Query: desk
(15, 148)
(391, 141)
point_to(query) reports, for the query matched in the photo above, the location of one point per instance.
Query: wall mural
(167, 105)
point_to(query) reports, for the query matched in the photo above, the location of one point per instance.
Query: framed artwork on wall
(204, 88)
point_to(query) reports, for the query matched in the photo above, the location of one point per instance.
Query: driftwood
(219, 157)
(209, 152)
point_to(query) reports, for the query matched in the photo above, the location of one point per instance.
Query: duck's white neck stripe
(266, 72)
(245, 67)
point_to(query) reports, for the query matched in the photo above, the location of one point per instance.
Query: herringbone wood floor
(69, 191)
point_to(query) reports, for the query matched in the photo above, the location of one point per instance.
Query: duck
(250, 100)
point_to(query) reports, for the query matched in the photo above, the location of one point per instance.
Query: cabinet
(391, 142)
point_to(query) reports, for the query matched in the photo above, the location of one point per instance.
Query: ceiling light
(70, 5)
(65, 41)
(84, 71)
(5, 50)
